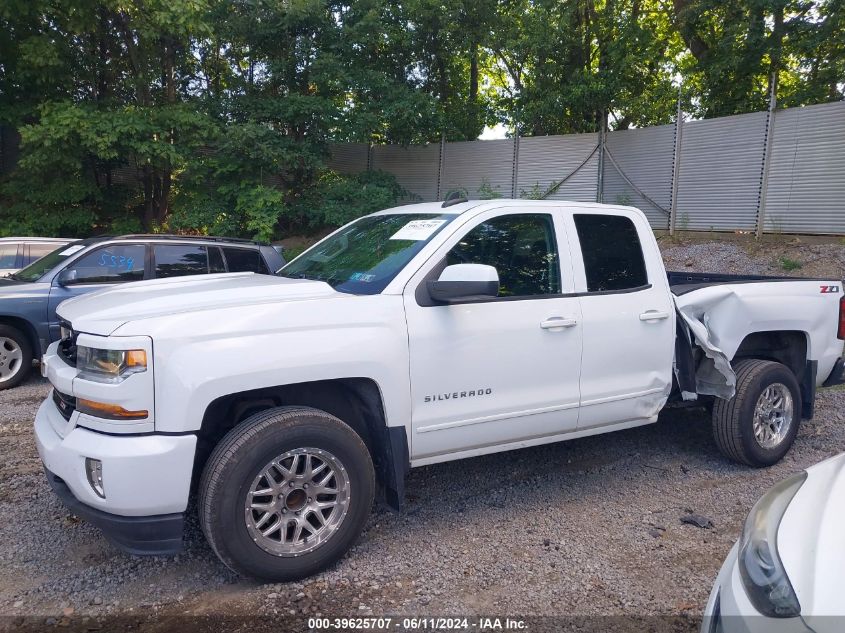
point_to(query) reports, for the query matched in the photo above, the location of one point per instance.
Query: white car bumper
(730, 611)
(146, 480)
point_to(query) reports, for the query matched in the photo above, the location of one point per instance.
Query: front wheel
(286, 493)
(759, 424)
(15, 357)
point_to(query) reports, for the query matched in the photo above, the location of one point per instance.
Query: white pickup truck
(412, 336)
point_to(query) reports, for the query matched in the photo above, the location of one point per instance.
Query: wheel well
(26, 327)
(356, 401)
(788, 348)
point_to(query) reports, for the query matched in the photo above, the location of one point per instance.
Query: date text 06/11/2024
(418, 623)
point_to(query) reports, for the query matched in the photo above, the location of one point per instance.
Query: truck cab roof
(462, 207)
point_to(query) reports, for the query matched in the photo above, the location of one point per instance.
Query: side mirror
(67, 277)
(461, 282)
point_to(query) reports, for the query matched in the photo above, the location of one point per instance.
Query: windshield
(38, 268)
(365, 256)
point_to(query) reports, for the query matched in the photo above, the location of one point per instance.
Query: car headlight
(760, 567)
(109, 365)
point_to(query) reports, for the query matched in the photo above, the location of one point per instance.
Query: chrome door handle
(555, 323)
(653, 315)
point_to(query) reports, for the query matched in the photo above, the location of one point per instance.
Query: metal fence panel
(645, 156)
(719, 179)
(546, 160)
(416, 168)
(471, 165)
(720, 172)
(348, 158)
(806, 186)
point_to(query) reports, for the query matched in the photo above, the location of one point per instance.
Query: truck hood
(104, 311)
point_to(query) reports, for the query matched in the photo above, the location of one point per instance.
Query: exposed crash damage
(713, 311)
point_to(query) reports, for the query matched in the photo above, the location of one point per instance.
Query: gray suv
(29, 297)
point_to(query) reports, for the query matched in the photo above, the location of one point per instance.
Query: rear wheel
(759, 424)
(286, 493)
(15, 357)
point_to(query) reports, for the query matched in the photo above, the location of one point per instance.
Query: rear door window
(179, 260)
(613, 255)
(244, 260)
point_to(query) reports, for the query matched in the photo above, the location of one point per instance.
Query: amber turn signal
(108, 411)
(136, 358)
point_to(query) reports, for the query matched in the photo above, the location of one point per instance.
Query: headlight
(760, 567)
(110, 365)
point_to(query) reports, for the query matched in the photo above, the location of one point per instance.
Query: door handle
(555, 323)
(653, 315)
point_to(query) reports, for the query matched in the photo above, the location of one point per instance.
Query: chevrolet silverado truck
(416, 335)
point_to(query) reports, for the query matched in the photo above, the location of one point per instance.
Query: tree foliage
(215, 115)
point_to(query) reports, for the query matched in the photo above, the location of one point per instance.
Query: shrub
(336, 199)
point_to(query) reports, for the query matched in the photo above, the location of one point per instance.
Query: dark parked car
(28, 298)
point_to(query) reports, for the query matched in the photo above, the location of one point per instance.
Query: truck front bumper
(152, 535)
(146, 480)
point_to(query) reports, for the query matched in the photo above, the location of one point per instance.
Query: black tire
(243, 454)
(733, 420)
(21, 366)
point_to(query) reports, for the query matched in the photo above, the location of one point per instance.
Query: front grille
(67, 346)
(65, 403)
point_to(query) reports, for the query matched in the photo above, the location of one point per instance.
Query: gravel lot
(589, 527)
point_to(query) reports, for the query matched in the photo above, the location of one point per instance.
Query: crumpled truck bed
(721, 310)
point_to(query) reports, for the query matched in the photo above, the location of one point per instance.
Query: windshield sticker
(365, 277)
(417, 230)
(71, 250)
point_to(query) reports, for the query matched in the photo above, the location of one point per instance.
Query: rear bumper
(837, 374)
(151, 535)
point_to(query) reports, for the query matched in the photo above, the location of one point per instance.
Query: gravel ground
(589, 527)
(797, 257)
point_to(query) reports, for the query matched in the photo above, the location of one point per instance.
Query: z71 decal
(829, 289)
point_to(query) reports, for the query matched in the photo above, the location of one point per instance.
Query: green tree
(216, 116)
(563, 67)
(736, 49)
(96, 88)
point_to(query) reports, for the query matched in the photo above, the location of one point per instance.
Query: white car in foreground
(787, 571)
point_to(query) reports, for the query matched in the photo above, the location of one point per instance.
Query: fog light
(94, 471)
